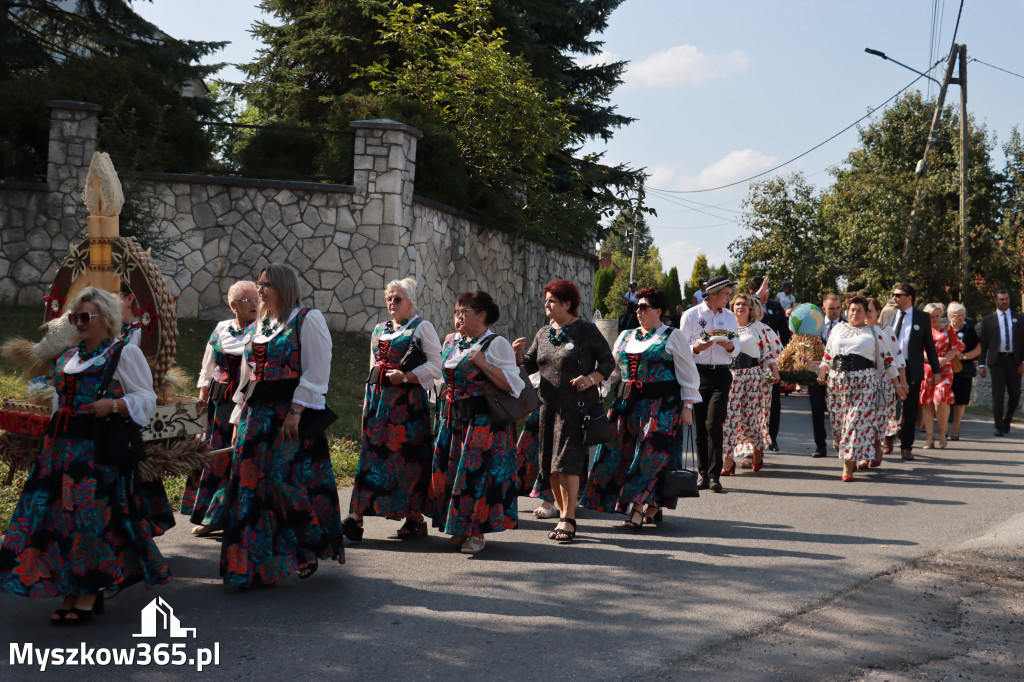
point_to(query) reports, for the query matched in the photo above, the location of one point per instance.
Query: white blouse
(429, 371)
(232, 345)
(315, 358)
(682, 358)
(499, 353)
(750, 343)
(887, 337)
(134, 376)
(862, 341)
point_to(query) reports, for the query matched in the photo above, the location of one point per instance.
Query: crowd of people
(85, 527)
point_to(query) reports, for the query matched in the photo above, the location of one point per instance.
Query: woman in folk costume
(397, 446)
(282, 498)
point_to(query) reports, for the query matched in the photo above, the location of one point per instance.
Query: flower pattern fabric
(532, 483)
(474, 483)
(282, 498)
(77, 528)
(750, 396)
(852, 409)
(397, 444)
(945, 341)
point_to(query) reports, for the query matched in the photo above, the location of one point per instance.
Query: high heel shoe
(731, 467)
(942, 443)
(654, 518)
(758, 460)
(77, 616)
(412, 529)
(929, 445)
(352, 529)
(633, 526)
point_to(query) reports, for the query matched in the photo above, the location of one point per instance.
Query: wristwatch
(114, 411)
(292, 410)
(688, 405)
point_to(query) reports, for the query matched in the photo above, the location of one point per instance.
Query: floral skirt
(77, 529)
(888, 424)
(203, 499)
(282, 502)
(474, 484)
(942, 392)
(528, 458)
(395, 455)
(645, 440)
(853, 411)
(746, 421)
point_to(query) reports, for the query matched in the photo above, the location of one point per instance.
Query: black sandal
(307, 570)
(630, 525)
(413, 529)
(653, 518)
(59, 617)
(352, 529)
(564, 536)
(81, 616)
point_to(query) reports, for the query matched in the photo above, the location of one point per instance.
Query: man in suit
(913, 331)
(1002, 353)
(775, 318)
(833, 308)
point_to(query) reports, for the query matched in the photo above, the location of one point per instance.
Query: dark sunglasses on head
(86, 318)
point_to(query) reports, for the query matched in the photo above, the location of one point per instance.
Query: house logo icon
(158, 615)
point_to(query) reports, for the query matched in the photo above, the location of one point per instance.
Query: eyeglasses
(86, 318)
(264, 285)
(462, 313)
(394, 299)
(246, 300)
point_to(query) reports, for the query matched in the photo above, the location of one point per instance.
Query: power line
(795, 158)
(677, 200)
(993, 66)
(717, 208)
(957, 27)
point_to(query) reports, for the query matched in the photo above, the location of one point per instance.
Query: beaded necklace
(641, 335)
(85, 356)
(390, 325)
(235, 333)
(266, 328)
(466, 341)
(557, 337)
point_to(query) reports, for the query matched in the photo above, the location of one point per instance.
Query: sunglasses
(643, 307)
(86, 318)
(899, 295)
(394, 299)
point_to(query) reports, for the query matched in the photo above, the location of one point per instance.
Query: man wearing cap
(786, 297)
(698, 296)
(713, 353)
(775, 318)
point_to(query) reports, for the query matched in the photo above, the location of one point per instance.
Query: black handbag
(118, 438)
(503, 407)
(682, 482)
(413, 357)
(313, 423)
(594, 422)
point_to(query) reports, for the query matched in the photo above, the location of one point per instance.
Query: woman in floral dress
(655, 398)
(572, 358)
(282, 504)
(397, 445)
(754, 371)
(474, 486)
(74, 533)
(203, 499)
(885, 417)
(853, 357)
(528, 463)
(935, 400)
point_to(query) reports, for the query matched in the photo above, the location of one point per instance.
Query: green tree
(1010, 251)
(648, 274)
(788, 238)
(670, 285)
(619, 237)
(701, 269)
(603, 281)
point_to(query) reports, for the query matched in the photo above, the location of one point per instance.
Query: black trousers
(775, 413)
(908, 414)
(1004, 380)
(709, 416)
(817, 394)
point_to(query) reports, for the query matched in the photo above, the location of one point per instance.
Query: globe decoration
(807, 319)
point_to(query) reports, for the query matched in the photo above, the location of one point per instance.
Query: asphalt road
(726, 576)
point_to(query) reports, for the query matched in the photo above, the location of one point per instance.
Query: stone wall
(346, 241)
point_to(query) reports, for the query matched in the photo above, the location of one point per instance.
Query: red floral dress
(945, 341)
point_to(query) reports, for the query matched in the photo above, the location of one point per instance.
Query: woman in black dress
(572, 358)
(964, 379)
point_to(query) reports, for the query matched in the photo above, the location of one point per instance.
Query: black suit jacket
(990, 348)
(775, 318)
(919, 344)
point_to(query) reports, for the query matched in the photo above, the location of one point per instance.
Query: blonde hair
(753, 302)
(285, 280)
(238, 287)
(954, 308)
(935, 306)
(407, 286)
(108, 305)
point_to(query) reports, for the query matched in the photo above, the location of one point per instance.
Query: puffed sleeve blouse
(862, 341)
(682, 359)
(756, 340)
(231, 344)
(134, 376)
(498, 353)
(430, 371)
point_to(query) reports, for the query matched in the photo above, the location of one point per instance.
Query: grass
(349, 366)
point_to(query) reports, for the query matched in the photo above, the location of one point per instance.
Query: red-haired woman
(572, 358)
(655, 398)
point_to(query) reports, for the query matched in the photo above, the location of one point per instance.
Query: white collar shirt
(701, 318)
(908, 323)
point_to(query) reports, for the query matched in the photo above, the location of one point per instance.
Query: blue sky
(722, 90)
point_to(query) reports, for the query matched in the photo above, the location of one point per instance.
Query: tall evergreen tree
(619, 237)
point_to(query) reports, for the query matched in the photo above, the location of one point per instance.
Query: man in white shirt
(1002, 352)
(833, 308)
(786, 297)
(713, 357)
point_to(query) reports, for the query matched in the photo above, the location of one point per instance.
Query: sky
(724, 90)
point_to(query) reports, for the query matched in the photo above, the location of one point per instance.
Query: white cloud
(684, 65)
(603, 57)
(734, 166)
(682, 255)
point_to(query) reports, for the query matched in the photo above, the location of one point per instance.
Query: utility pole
(965, 232)
(636, 231)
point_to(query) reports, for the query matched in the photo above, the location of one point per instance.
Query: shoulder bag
(118, 438)
(682, 482)
(503, 407)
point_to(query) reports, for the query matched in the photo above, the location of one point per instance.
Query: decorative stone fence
(346, 241)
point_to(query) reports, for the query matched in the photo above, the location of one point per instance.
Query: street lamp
(879, 53)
